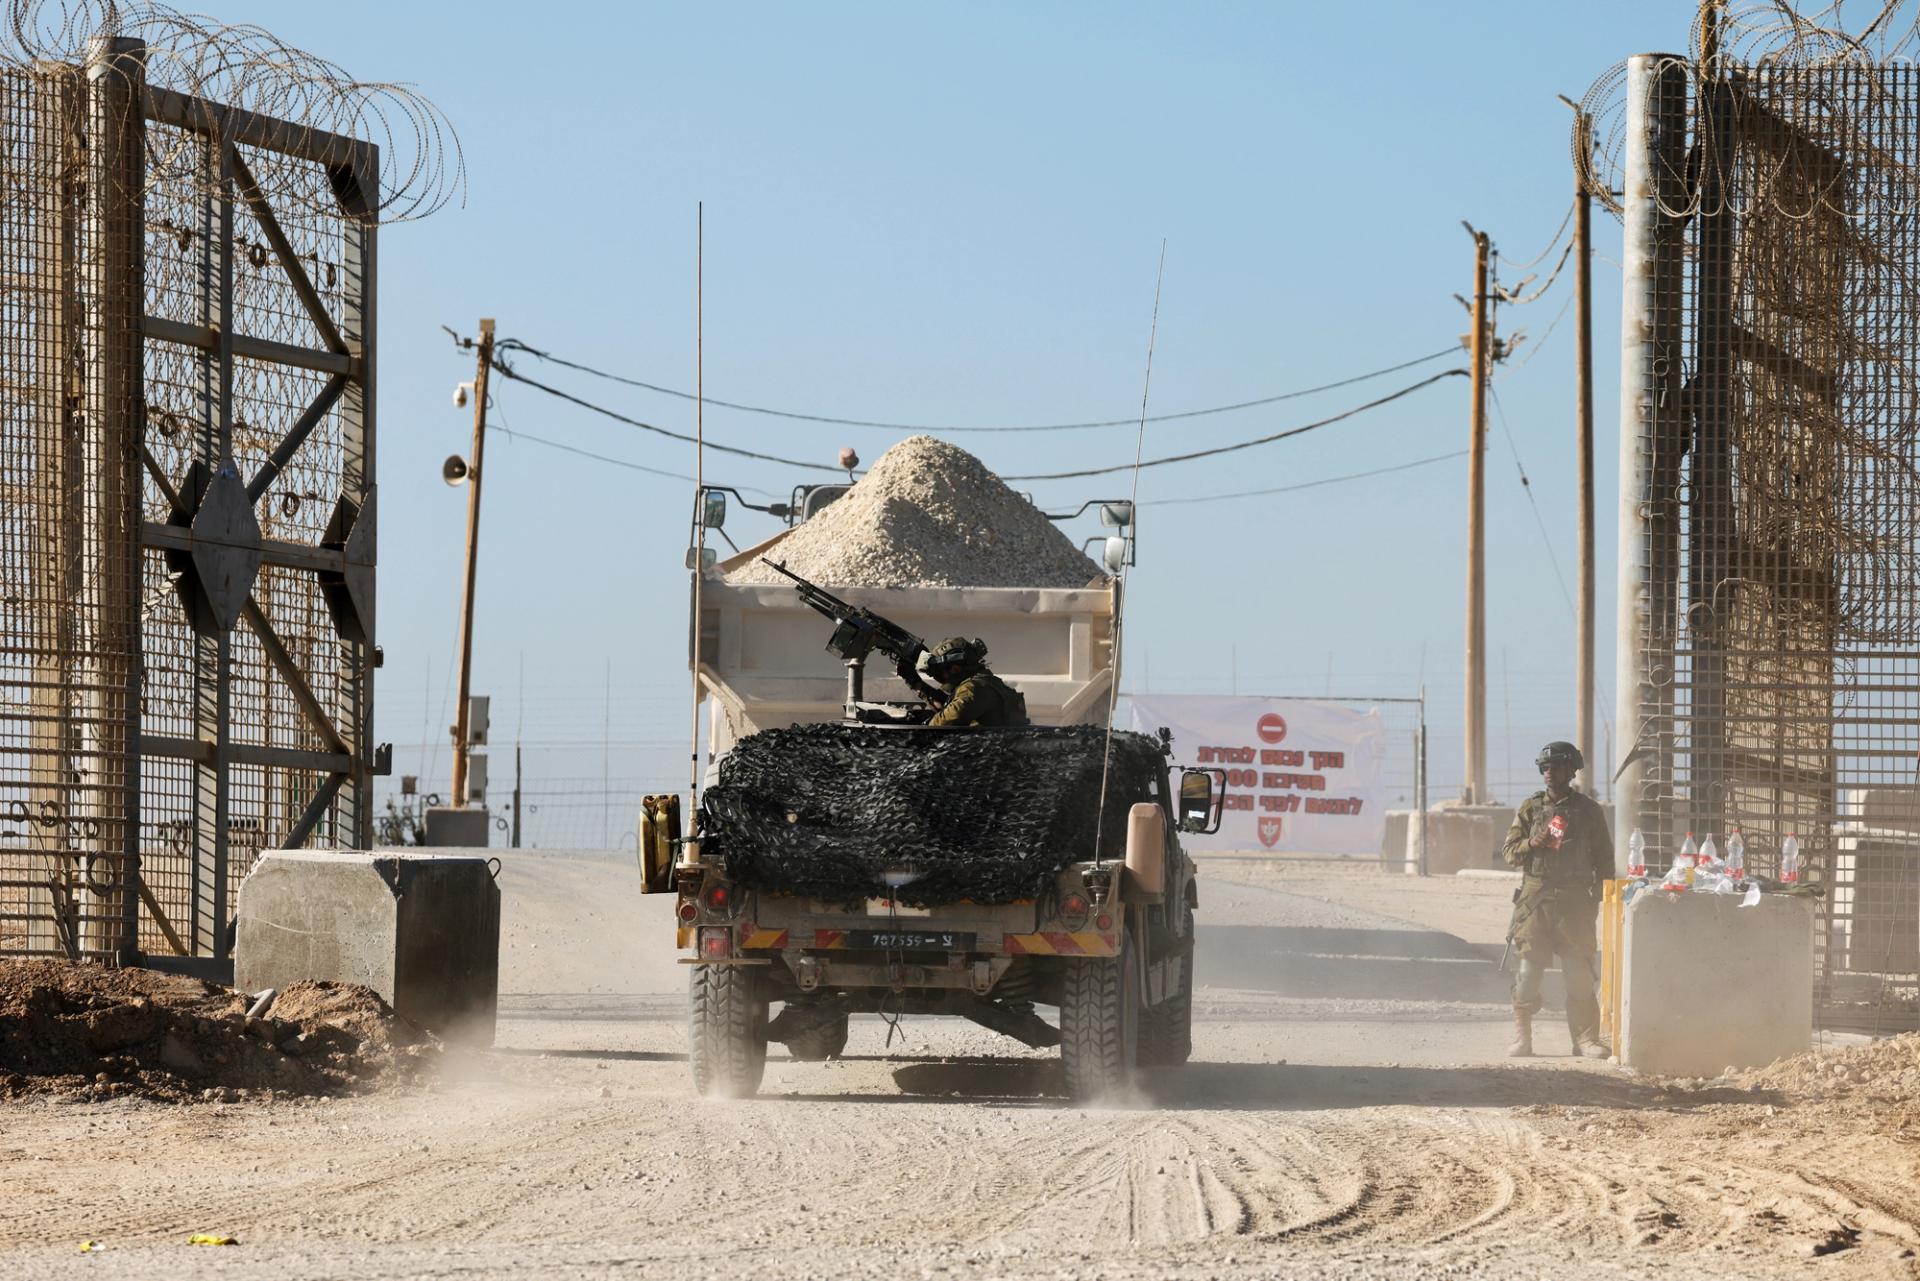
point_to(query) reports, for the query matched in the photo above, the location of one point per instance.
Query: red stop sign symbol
(1272, 728)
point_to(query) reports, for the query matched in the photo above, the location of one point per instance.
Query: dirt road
(1348, 1115)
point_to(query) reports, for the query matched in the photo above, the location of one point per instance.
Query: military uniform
(1558, 904)
(983, 699)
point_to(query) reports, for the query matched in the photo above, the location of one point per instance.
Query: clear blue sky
(951, 214)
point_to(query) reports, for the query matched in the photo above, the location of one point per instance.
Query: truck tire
(1100, 1024)
(726, 1031)
(1166, 1031)
(822, 1041)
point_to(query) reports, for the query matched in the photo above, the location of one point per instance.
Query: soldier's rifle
(1516, 920)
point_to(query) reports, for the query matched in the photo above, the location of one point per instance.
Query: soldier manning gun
(857, 632)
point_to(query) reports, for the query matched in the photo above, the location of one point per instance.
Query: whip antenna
(699, 566)
(1120, 583)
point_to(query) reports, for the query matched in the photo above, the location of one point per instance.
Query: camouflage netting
(987, 815)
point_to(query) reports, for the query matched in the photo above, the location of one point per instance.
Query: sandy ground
(1349, 1114)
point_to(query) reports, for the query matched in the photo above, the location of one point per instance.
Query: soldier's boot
(1588, 1045)
(1522, 1047)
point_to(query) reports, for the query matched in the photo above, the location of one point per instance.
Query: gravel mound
(987, 815)
(88, 1031)
(1886, 1071)
(928, 514)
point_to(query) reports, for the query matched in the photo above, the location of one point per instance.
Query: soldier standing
(1559, 840)
(966, 692)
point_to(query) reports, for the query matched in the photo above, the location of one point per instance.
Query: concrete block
(422, 930)
(449, 826)
(1707, 984)
(1396, 849)
(1465, 836)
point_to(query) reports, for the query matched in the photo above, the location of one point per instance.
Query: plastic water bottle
(1737, 856)
(1679, 877)
(1636, 855)
(1790, 859)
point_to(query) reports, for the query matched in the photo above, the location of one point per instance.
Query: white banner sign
(1302, 776)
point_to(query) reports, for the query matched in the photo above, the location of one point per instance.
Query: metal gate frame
(1769, 624)
(184, 552)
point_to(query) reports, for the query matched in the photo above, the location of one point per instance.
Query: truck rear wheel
(1100, 1024)
(821, 1041)
(726, 1030)
(1166, 1032)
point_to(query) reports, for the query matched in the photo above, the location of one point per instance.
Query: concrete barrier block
(1396, 846)
(1707, 984)
(449, 826)
(422, 930)
(1466, 836)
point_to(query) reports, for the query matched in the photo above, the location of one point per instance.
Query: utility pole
(1583, 394)
(1474, 791)
(476, 471)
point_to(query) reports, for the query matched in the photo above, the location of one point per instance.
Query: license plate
(912, 940)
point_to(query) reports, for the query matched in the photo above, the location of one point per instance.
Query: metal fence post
(1652, 420)
(115, 419)
(1420, 787)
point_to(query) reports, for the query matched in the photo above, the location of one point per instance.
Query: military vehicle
(1106, 940)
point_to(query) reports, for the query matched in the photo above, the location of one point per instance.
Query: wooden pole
(476, 472)
(1475, 789)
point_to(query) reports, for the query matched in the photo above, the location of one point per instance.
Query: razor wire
(248, 68)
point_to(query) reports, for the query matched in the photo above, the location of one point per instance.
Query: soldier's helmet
(1558, 753)
(956, 656)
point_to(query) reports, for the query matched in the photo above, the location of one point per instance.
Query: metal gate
(187, 514)
(1769, 648)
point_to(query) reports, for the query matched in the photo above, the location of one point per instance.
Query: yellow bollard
(1612, 935)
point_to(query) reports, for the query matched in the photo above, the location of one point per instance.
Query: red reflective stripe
(1066, 944)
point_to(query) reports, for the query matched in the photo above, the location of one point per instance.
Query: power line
(504, 428)
(508, 371)
(515, 344)
(1527, 485)
(1309, 484)
(1249, 444)
(1534, 349)
(1508, 296)
(1561, 230)
(512, 434)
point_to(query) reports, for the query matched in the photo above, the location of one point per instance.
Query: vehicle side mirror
(1115, 554)
(704, 557)
(713, 509)
(1200, 808)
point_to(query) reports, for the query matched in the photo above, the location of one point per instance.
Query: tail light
(716, 944)
(1103, 922)
(689, 911)
(1073, 910)
(718, 899)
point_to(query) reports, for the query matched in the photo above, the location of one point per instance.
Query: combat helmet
(1560, 753)
(958, 653)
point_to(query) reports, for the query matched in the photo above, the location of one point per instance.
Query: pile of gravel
(928, 514)
(987, 815)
